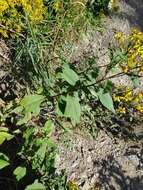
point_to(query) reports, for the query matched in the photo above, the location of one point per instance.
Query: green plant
(70, 91)
(60, 92)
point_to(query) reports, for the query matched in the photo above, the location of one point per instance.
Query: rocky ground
(105, 162)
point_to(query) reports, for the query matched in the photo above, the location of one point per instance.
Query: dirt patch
(110, 164)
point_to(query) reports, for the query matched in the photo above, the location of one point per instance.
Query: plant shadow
(112, 175)
(138, 6)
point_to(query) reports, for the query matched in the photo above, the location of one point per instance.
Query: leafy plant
(4, 161)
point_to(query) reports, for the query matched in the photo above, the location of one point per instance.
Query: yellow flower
(121, 110)
(139, 108)
(120, 38)
(73, 185)
(128, 96)
(138, 98)
(57, 5)
(125, 69)
(140, 95)
(132, 61)
(113, 5)
(116, 98)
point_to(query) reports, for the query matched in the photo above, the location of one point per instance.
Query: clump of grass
(43, 29)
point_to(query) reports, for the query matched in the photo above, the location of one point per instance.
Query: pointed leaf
(3, 164)
(48, 127)
(31, 103)
(107, 101)
(5, 136)
(69, 75)
(40, 155)
(4, 161)
(73, 109)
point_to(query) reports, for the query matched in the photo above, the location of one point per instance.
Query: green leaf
(51, 143)
(36, 186)
(5, 129)
(18, 109)
(69, 75)
(2, 103)
(20, 172)
(39, 155)
(31, 105)
(25, 119)
(115, 70)
(73, 109)
(4, 161)
(107, 101)
(136, 82)
(48, 127)
(17, 131)
(93, 92)
(5, 136)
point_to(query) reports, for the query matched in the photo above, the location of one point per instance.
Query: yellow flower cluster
(14, 12)
(126, 97)
(133, 47)
(129, 98)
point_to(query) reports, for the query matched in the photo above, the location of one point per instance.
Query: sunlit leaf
(36, 186)
(73, 109)
(48, 127)
(5, 136)
(4, 161)
(31, 106)
(31, 103)
(19, 172)
(107, 101)
(5, 129)
(69, 75)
